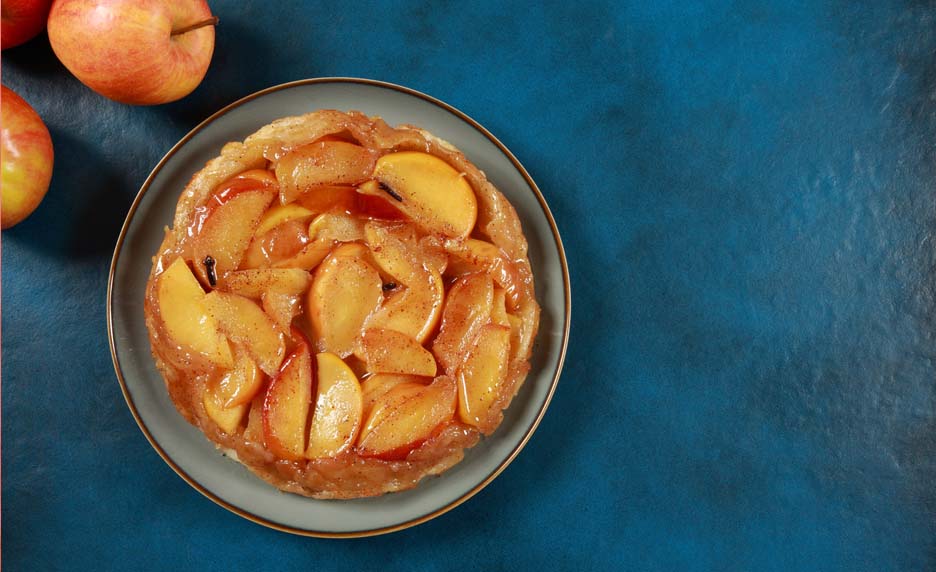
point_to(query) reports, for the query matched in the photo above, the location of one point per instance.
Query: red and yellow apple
(141, 52)
(22, 20)
(26, 156)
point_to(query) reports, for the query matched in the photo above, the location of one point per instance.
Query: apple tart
(342, 306)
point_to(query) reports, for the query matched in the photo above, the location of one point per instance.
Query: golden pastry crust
(348, 475)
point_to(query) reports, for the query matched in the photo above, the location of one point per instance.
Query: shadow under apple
(35, 57)
(244, 62)
(81, 214)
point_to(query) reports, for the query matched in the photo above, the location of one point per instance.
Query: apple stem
(213, 21)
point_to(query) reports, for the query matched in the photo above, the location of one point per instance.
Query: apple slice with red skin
(336, 419)
(376, 385)
(404, 418)
(428, 190)
(387, 403)
(286, 405)
(225, 225)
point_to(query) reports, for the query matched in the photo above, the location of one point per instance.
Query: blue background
(747, 195)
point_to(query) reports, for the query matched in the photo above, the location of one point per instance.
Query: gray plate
(195, 458)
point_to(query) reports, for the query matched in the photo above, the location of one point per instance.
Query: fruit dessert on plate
(342, 306)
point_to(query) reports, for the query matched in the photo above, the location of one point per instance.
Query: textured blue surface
(746, 194)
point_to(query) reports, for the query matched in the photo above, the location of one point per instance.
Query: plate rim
(566, 284)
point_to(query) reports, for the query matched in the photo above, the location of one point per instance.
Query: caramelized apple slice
(376, 385)
(337, 416)
(428, 190)
(354, 250)
(254, 430)
(516, 329)
(253, 283)
(467, 309)
(336, 227)
(322, 162)
(388, 402)
(358, 250)
(413, 310)
(388, 351)
(402, 249)
(227, 231)
(433, 254)
(286, 406)
(484, 256)
(282, 307)
(238, 385)
(481, 377)
(499, 308)
(309, 257)
(280, 243)
(397, 430)
(181, 307)
(344, 292)
(392, 253)
(329, 198)
(246, 323)
(280, 214)
(227, 418)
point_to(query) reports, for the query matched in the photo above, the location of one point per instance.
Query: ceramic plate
(193, 456)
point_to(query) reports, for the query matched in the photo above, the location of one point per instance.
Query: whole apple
(21, 20)
(25, 158)
(141, 52)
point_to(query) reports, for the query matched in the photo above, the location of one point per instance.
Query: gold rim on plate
(439, 511)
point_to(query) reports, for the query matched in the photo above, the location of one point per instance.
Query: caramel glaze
(347, 475)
